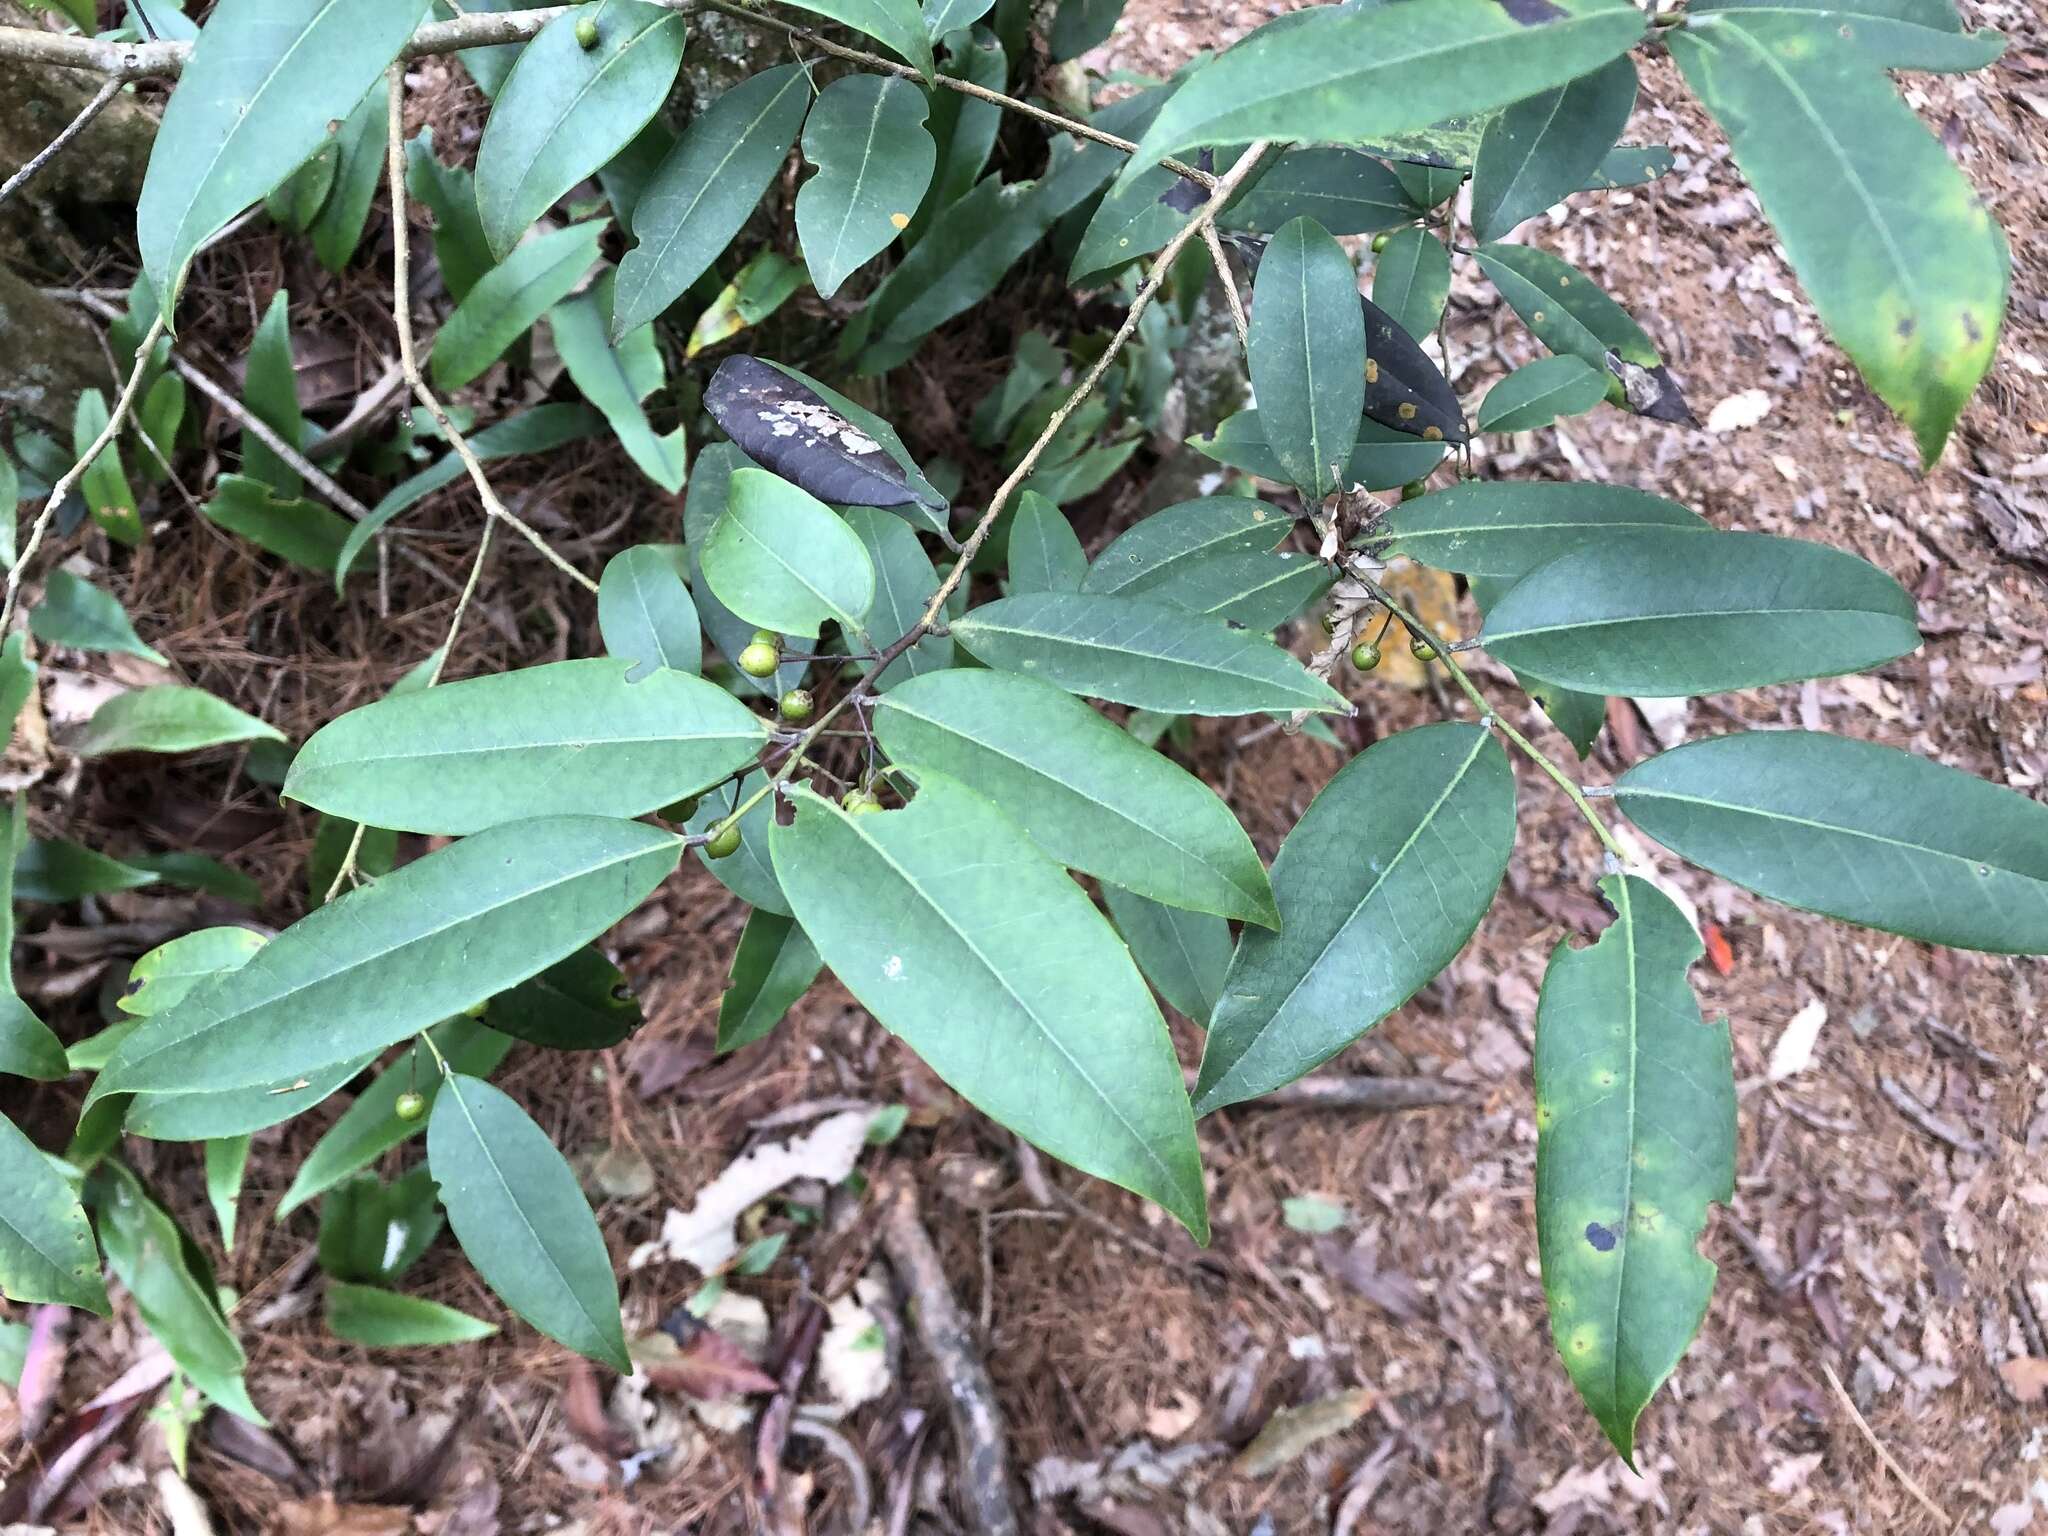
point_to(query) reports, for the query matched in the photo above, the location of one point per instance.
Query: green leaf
(578, 1004)
(46, 1248)
(1382, 459)
(168, 974)
(373, 1231)
(10, 507)
(233, 1112)
(384, 961)
(379, 1319)
(1507, 528)
(14, 1342)
(361, 143)
(563, 737)
(17, 678)
(449, 191)
(1253, 591)
(170, 1286)
(1630, 165)
(1079, 25)
(866, 135)
(521, 1217)
(706, 187)
(270, 389)
(1661, 612)
(1362, 75)
(491, 64)
(748, 873)
(781, 559)
(1347, 193)
(1307, 355)
(918, 913)
(74, 612)
(302, 532)
(757, 290)
(904, 582)
(644, 611)
(1132, 650)
(1861, 832)
(1135, 219)
(1158, 548)
(104, 486)
(773, 966)
(942, 17)
(1380, 884)
(54, 869)
(1045, 552)
(509, 298)
(27, 1048)
(1541, 150)
(1635, 1135)
(168, 718)
(1563, 308)
(1580, 716)
(566, 109)
(1896, 34)
(253, 103)
(1900, 257)
(376, 854)
(1538, 393)
(297, 203)
(616, 377)
(1185, 955)
(1085, 791)
(227, 1159)
(964, 127)
(1411, 279)
(370, 1126)
(897, 25)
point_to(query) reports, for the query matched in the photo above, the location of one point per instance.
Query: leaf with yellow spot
(1635, 1135)
(757, 290)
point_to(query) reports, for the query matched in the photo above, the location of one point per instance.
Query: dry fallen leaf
(1293, 1430)
(2026, 1378)
(1743, 409)
(1793, 1053)
(706, 1366)
(321, 1515)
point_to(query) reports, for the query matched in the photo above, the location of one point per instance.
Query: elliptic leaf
(379, 1319)
(1564, 308)
(449, 191)
(1507, 528)
(1379, 885)
(1897, 34)
(168, 974)
(1538, 393)
(509, 298)
(905, 582)
(773, 966)
(168, 718)
(303, 532)
(361, 145)
(896, 24)
(1045, 552)
(373, 1231)
(74, 612)
(46, 1248)
(1411, 279)
(578, 1004)
(1542, 150)
(1185, 955)
(1382, 459)
(1250, 590)
(781, 559)
(1157, 548)
(1347, 193)
(866, 135)
(1307, 355)
(1404, 388)
(55, 869)
(644, 611)
(616, 376)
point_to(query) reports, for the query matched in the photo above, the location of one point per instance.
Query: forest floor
(1883, 1266)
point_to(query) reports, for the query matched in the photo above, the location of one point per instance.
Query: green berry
(860, 802)
(760, 659)
(795, 705)
(1379, 242)
(767, 637)
(682, 810)
(1365, 655)
(1413, 489)
(410, 1106)
(586, 34)
(1328, 619)
(476, 1010)
(1421, 649)
(725, 843)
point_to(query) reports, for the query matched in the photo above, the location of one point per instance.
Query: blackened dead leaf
(1404, 390)
(1652, 392)
(1185, 195)
(791, 431)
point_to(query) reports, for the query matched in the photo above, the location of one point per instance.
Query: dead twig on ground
(1891, 1465)
(1949, 1134)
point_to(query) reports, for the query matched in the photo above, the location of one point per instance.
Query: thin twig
(55, 147)
(1883, 1455)
(76, 472)
(1903, 1100)
(1238, 319)
(408, 355)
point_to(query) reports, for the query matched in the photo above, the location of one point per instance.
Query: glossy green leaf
(566, 109)
(521, 1217)
(1635, 1136)
(46, 1247)
(581, 1003)
(1861, 832)
(1507, 528)
(1896, 34)
(780, 558)
(253, 103)
(360, 169)
(1345, 192)
(422, 944)
(449, 191)
(168, 974)
(55, 869)
(1307, 355)
(1564, 308)
(644, 611)
(772, 967)
(303, 532)
(616, 377)
(748, 874)
(27, 1048)
(74, 612)
(942, 17)
(1379, 885)
(1045, 552)
(1382, 459)
(235, 1111)
(1541, 150)
(167, 718)
(270, 389)
(1135, 219)
(1185, 955)
(905, 581)
(1900, 257)
(1250, 590)
(705, 188)
(1161, 547)
(370, 1126)
(866, 135)
(172, 1291)
(1085, 791)
(1132, 650)
(1411, 279)
(563, 737)
(939, 918)
(298, 201)
(508, 299)
(1580, 716)
(897, 25)
(379, 1319)
(1538, 393)
(227, 1159)
(372, 1231)
(1662, 612)
(1361, 75)
(491, 64)
(104, 486)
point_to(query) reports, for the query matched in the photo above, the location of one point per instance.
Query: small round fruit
(725, 843)
(1413, 489)
(759, 659)
(410, 1106)
(1379, 242)
(1328, 619)
(766, 637)
(1421, 649)
(860, 802)
(796, 705)
(476, 1010)
(682, 810)
(1365, 655)
(586, 34)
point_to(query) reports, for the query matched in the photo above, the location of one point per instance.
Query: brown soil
(1858, 1243)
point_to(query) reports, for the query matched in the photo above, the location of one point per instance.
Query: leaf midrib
(1217, 669)
(1679, 615)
